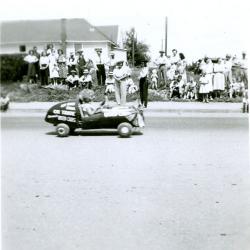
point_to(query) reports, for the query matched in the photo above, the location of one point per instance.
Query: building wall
(87, 47)
(15, 48)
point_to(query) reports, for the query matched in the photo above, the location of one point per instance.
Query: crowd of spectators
(211, 77)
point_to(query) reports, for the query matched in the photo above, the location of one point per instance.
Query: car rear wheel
(62, 130)
(125, 129)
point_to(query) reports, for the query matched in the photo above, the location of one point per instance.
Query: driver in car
(85, 98)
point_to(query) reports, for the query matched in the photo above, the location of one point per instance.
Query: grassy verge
(23, 92)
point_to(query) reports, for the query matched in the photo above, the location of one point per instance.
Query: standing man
(143, 84)
(120, 75)
(228, 71)
(161, 62)
(100, 68)
(81, 62)
(37, 63)
(243, 67)
(175, 57)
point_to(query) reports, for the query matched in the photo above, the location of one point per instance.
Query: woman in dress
(31, 59)
(61, 62)
(181, 67)
(52, 63)
(44, 65)
(219, 78)
(208, 68)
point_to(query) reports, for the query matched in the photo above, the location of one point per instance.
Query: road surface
(183, 185)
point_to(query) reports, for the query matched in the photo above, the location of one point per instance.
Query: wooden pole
(133, 49)
(166, 36)
(63, 34)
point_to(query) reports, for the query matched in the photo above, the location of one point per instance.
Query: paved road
(183, 185)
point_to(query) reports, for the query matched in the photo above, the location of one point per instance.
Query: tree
(136, 50)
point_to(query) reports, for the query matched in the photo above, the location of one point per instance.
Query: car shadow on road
(95, 133)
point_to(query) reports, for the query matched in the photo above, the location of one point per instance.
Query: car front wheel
(62, 130)
(124, 129)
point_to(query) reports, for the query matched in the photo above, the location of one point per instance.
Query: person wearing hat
(143, 83)
(100, 67)
(111, 63)
(86, 79)
(81, 63)
(243, 67)
(109, 83)
(162, 63)
(72, 61)
(73, 79)
(120, 75)
(228, 63)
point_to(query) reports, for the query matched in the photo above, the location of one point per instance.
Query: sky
(195, 28)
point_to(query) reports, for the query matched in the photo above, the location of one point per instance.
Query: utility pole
(133, 49)
(166, 36)
(63, 35)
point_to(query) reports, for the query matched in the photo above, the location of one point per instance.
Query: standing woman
(31, 59)
(208, 69)
(181, 67)
(61, 62)
(52, 62)
(143, 84)
(120, 75)
(219, 78)
(44, 65)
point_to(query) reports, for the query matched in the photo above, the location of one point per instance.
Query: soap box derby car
(68, 116)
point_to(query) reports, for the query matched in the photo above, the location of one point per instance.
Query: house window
(22, 48)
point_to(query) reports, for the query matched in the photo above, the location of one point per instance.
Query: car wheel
(124, 129)
(62, 130)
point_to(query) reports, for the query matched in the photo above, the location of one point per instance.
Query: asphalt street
(182, 185)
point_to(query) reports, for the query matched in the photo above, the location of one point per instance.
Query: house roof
(111, 31)
(77, 29)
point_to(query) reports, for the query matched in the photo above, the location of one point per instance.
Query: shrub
(12, 68)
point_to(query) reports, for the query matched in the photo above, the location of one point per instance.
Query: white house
(68, 34)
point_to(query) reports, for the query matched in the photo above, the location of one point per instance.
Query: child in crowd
(154, 79)
(190, 90)
(175, 87)
(236, 88)
(72, 80)
(86, 80)
(109, 83)
(204, 87)
(131, 87)
(54, 74)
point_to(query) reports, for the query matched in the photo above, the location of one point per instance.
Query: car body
(69, 116)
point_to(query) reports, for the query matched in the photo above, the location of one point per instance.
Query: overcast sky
(196, 28)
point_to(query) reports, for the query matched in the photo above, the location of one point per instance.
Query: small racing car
(68, 116)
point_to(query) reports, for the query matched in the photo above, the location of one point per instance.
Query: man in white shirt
(228, 71)
(120, 75)
(162, 63)
(143, 84)
(100, 68)
(243, 66)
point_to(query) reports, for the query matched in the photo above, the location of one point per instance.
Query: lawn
(23, 92)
